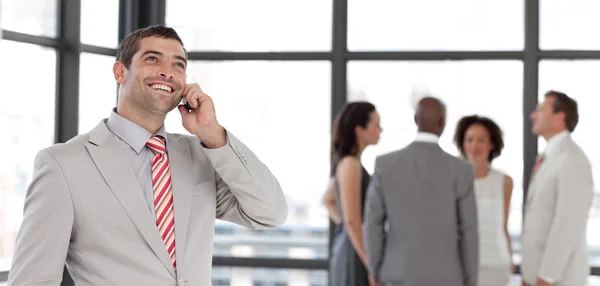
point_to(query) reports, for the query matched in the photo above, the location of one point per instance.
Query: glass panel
(27, 122)
(569, 25)
(578, 80)
(233, 276)
(100, 23)
(451, 25)
(489, 88)
(281, 111)
(35, 17)
(261, 25)
(97, 90)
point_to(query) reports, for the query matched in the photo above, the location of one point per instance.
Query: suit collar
(130, 132)
(555, 142)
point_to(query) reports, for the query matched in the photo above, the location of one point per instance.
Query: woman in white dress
(479, 140)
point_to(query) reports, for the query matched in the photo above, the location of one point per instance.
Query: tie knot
(157, 144)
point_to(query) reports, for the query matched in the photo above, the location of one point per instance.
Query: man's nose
(165, 75)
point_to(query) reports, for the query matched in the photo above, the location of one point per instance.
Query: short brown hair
(563, 103)
(129, 45)
(493, 129)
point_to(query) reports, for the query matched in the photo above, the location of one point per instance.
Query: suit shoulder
(390, 156)
(73, 146)
(458, 163)
(575, 154)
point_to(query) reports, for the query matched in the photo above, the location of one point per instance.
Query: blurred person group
(426, 217)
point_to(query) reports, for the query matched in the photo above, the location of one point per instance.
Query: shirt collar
(555, 141)
(427, 137)
(133, 134)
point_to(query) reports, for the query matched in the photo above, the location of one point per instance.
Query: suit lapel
(549, 159)
(113, 166)
(180, 163)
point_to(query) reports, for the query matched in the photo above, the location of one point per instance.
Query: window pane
(261, 25)
(281, 110)
(451, 25)
(35, 17)
(488, 88)
(578, 80)
(97, 90)
(226, 276)
(27, 122)
(569, 25)
(100, 23)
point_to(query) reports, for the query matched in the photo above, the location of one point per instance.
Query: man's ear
(120, 72)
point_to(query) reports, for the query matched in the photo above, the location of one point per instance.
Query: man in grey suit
(554, 248)
(426, 197)
(128, 203)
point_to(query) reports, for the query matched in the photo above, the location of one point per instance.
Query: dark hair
(130, 44)
(344, 136)
(563, 103)
(492, 128)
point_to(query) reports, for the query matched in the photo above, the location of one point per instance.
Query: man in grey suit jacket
(558, 202)
(118, 209)
(426, 197)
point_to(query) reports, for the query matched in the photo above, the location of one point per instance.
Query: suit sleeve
(574, 197)
(248, 193)
(467, 227)
(44, 235)
(375, 217)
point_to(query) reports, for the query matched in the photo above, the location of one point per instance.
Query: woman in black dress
(356, 127)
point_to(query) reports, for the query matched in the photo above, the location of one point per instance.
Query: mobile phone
(186, 104)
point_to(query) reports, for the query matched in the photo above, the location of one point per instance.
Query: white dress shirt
(427, 137)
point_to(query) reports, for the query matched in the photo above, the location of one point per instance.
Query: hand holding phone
(198, 117)
(186, 104)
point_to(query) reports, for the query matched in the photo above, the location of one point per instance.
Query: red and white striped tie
(163, 194)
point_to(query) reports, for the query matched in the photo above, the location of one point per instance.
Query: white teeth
(162, 87)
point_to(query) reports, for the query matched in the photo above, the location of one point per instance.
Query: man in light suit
(559, 198)
(426, 196)
(117, 208)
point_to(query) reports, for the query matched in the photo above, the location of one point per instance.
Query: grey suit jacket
(426, 197)
(556, 212)
(85, 207)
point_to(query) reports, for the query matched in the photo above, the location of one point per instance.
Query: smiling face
(153, 83)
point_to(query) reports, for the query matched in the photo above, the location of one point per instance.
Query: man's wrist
(213, 137)
(544, 281)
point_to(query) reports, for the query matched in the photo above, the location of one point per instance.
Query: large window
(435, 25)
(280, 110)
(27, 124)
(100, 23)
(35, 17)
(97, 90)
(578, 80)
(260, 25)
(569, 25)
(487, 88)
